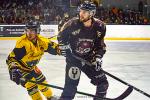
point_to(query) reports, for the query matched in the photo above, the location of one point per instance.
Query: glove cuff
(64, 47)
(98, 56)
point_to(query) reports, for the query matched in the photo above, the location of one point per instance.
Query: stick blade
(126, 93)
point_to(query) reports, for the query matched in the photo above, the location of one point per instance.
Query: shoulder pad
(74, 20)
(21, 41)
(99, 22)
(43, 39)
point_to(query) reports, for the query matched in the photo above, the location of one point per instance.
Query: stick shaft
(140, 91)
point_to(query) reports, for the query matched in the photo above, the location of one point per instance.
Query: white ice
(128, 60)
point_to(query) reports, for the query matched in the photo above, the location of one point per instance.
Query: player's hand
(63, 49)
(98, 64)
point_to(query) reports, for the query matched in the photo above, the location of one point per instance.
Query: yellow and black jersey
(29, 54)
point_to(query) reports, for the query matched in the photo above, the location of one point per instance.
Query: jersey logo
(84, 46)
(74, 73)
(99, 33)
(76, 32)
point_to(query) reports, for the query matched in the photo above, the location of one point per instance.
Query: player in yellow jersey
(26, 55)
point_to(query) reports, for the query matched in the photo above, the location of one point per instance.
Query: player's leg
(101, 88)
(31, 87)
(46, 91)
(72, 77)
(98, 78)
(33, 91)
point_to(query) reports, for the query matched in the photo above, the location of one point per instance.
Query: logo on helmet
(88, 6)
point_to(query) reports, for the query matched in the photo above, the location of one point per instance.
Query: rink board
(113, 32)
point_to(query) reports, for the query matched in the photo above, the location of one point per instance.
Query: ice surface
(128, 60)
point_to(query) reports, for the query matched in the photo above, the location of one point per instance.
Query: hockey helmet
(34, 25)
(88, 6)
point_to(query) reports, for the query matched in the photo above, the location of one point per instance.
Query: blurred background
(132, 12)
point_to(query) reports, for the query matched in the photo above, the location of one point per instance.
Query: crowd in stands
(19, 11)
(120, 16)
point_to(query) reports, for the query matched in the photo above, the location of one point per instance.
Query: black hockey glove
(98, 63)
(15, 75)
(64, 49)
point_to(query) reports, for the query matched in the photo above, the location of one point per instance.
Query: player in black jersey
(83, 37)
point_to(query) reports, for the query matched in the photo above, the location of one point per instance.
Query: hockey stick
(52, 36)
(140, 91)
(122, 96)
(88, 63)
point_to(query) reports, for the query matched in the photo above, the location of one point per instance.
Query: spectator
(140, 7)
(46, 11)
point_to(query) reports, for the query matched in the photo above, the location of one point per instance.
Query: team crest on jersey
(74, 73)
(84, 46)
(98, 33)
(76, 32)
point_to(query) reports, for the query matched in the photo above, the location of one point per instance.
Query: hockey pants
(72, 77)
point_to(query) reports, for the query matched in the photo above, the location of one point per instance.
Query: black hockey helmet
(88, 6)
(34, 25)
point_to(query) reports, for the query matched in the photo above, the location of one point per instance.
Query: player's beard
(82, 19)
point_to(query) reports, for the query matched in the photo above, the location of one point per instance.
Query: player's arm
(17, 54)
(100, 47)
(100, 44)
(13, 63)
(63, 34)
(63, 38)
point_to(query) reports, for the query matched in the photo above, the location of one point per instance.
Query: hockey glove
(14, 71)
(98, 64)
(15, 75)
(64, 49)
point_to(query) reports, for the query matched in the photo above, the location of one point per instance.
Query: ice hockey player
(26, 55)
(83, 37)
